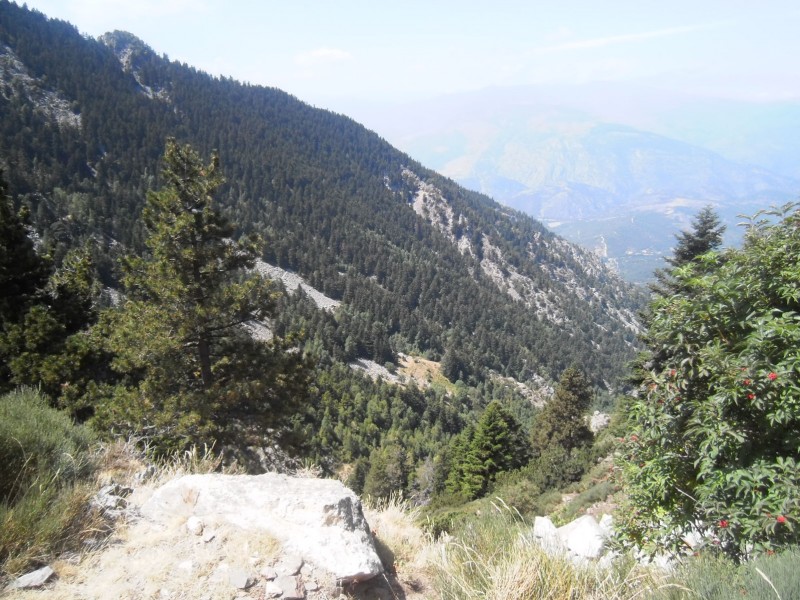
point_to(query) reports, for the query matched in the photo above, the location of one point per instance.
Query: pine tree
(182, 338)
(497, 445)
(42, 315)
(706, 235)
(50, 348)
(22, 271)
(562, 421)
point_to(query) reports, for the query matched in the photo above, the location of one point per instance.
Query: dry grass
(426, 373)
(495, 558)
(405, 550)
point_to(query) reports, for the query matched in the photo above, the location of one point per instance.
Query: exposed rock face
(318, 519)
(599, 421)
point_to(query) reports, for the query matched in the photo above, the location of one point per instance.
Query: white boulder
(320, 520)
(584, 537)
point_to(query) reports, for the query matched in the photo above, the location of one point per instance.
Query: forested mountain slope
(419, 263)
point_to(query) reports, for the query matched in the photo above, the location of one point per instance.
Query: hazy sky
(334, 52)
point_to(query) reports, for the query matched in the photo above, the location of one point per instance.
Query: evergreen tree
(41, 318)
(705, 235)
(51, 347)
(498, 444)
(388, 472)
(182, 338)
(22, 271)
(562, 422)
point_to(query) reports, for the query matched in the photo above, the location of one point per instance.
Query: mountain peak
(124, 43)
(133, 54)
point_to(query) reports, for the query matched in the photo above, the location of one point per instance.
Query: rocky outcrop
(320, 520)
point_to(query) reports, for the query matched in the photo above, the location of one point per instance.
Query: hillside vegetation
(418, 266)
(456, 355)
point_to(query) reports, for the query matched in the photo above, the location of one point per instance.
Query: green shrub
(712, 441)
(518, 492)
(599, 492)
(43, 493)
(38, 443)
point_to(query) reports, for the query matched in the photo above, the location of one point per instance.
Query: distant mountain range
(623, 191)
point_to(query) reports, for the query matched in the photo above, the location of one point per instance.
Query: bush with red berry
(715, 426)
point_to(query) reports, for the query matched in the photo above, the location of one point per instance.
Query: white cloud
(322, 56)
(613, 40)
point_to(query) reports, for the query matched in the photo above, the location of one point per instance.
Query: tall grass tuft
(715, 577)
(494, 557)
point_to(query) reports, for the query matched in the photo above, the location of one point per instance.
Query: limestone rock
(111, 501)
(584, 537)
(34, 579)
(291, 587)
(194, 525)
(290, 565)
(599, 421)
(272, 590)
(240, 579)
(268, 573)
(581, 540)
(320, 520)
(546, 535)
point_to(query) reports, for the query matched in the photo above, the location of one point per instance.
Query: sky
(344, 53)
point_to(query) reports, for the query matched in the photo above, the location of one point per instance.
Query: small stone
(272, 590)
(240, 579)
(220, 573)
(208, 535)
(146, 475)
(186, 565)
(607, 524)
(33, 579)
(268, 573)
(291, 587)
(311, 586)
(194, 525)
(290, 565)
